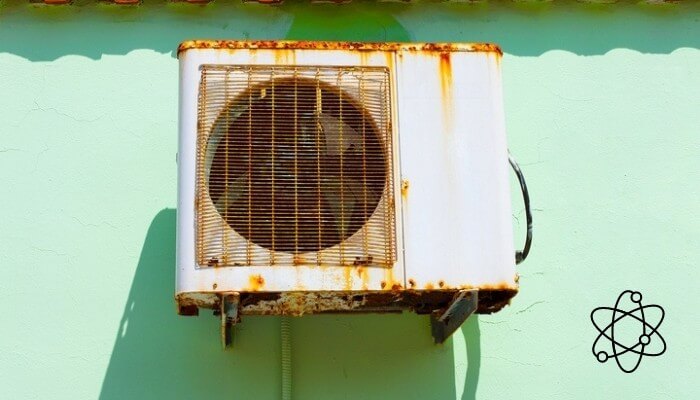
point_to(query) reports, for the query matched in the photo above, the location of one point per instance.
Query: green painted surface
(602, 107)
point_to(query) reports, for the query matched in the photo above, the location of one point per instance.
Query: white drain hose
(286, 332)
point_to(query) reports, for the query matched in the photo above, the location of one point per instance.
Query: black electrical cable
(521, 255)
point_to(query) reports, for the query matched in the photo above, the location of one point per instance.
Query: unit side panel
(456, 200)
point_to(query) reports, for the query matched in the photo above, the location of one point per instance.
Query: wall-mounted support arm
(228, 308)
(445, 323)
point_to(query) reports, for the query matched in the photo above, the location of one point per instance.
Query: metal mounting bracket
(228, 309)
(444, 323)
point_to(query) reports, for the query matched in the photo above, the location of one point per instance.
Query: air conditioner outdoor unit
(343, 177)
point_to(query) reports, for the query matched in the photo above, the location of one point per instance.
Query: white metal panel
(456, 208)
(193, 278)
(453, 215)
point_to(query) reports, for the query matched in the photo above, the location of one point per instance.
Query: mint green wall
(603, 113)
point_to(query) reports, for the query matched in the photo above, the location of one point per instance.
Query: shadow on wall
(526, 29)
(160, 355)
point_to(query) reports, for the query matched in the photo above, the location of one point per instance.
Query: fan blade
(234, 190)
(341, 200)
(339, 135)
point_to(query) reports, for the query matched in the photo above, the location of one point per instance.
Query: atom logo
(629, 334)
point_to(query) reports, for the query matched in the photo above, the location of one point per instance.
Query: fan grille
(294, 166)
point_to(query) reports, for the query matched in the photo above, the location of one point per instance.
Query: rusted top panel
(322, 45)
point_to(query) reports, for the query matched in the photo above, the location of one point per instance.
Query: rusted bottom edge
(321, 302)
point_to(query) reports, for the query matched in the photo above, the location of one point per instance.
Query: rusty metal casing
(447, 190)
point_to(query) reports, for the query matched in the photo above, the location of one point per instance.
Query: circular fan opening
(297, 169)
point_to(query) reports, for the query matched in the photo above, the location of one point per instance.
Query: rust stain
(298, 281)
(404, 197)
(347, 275)
(497, 57)
(445, 69)
(440, 47)
(391, 283)
(487, 48)
(256, 282)
(389, 59)
(204, 296)
(213, 262)
(298, 259)
(359, 261)
(364, 58)
(404, 188)
(196, 299)
(285, 56)
(364, 275)
(445, 73)
(325, 45)
(508, 286)
(442, 285)
(301, 302)
(365, 281)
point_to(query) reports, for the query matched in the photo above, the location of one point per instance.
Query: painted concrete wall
(603, 113)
